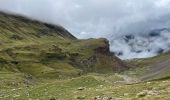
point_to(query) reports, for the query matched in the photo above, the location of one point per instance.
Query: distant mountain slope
(45, 50)
(151, 68)
(23, 26)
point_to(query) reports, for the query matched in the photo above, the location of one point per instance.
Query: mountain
(45, 50)
(153, 68)
(125, 85)
(41, 61)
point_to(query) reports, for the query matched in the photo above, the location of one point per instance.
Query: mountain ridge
(40, 61)
(46, 50)
(29, 20)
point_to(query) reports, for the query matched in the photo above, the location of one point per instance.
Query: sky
(96, 18)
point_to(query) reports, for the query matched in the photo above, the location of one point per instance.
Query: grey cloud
(96, 18)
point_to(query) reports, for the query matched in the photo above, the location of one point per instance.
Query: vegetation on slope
(87, 87)
(49, 51)
(38, 62)
(157, 67)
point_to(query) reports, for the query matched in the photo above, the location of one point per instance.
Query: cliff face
(105, 57)
(100, 60)
(45, 50)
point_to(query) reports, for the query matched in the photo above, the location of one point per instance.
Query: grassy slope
(142, 67)
(92, 85)
(24, 52)
(47, 51)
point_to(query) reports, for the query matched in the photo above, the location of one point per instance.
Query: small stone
(153, 93)
(148, 82)
(164, 81)
(80, 97)
(97, 98)
(118, 99)
(16, 96)
(81, 88)
(141, 94)
(13, 89)
(126, 94)
(107, 98)
(102, 98)
(52, 98)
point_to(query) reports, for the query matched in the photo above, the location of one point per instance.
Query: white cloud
(99, 17)
(162, 3)
(96, 18)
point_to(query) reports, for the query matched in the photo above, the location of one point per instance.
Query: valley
(41, 61)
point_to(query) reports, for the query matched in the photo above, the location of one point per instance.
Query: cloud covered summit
(112, 19)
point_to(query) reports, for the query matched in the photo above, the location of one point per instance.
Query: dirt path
(157, 68)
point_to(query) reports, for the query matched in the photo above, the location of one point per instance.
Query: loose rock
(102, 98)
(81, 88)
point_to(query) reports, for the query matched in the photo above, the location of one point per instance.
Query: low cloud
(96, 18)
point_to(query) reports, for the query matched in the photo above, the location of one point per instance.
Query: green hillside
(50, 51)
(150, 68)
(40, 61)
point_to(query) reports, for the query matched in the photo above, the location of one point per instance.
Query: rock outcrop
(45, 50)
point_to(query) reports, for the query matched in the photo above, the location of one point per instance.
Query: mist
(112, 19)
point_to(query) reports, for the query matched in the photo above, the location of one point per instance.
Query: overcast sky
(96, 18)
(104, 18)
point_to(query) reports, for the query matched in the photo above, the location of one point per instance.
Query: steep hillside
(151, 68)
(50, 51)
(40, 61)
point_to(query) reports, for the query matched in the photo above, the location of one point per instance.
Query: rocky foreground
(40, 61)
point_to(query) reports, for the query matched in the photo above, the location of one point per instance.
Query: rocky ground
(40, 61)
(88, 87)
